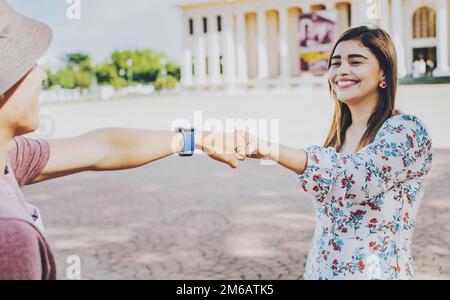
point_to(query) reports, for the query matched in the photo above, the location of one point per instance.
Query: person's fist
(223, 147)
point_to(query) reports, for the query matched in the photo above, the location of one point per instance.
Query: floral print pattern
(366, 203)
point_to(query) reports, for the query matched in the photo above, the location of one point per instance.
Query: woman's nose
(343, 68)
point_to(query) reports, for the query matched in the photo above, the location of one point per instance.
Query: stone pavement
(196, 219)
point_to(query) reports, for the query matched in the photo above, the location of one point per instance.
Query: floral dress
(366, 203)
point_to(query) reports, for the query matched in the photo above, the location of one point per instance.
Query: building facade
(243, 43)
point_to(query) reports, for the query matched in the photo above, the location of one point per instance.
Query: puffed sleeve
(400, 151)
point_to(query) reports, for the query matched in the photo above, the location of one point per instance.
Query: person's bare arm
(293, 159)
(111, 149)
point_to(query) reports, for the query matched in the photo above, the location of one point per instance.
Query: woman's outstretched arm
(401, 151)
(291, 158)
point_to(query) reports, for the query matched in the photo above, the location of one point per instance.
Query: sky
(108, 25)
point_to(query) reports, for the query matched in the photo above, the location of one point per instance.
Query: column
(384, 15)
(187, 55)
(397, 36)
(284, 42)
(200, 52)
(293, 17)
(442, 38)
(213, 51)
(241, 47)
(229, 59)
(355, 21)
(263, 65)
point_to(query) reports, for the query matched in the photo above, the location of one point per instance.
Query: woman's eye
(335, 64)
(355, 62)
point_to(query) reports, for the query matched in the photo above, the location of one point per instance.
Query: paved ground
(196, 219)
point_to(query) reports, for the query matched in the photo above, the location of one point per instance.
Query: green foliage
(83, 79)
(64, 77)
(125, 68)
(165, 83)
(140, 66)
(173, 70)
(105, 74)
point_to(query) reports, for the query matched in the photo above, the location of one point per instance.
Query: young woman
(367, 180)
(24, 251)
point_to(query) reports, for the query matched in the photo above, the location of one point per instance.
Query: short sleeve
(401, 151)
(20, 255)
(28, 158)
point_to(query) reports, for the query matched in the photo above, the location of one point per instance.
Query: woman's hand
(223, 147)
(255, 147)
(288, 157)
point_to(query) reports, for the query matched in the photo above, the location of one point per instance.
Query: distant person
(419, 68)
(429, 68)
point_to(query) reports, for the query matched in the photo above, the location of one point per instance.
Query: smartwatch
(189, 141)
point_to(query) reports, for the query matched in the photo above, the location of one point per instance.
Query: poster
(317, 32)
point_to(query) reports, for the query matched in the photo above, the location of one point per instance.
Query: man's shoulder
(19, 235)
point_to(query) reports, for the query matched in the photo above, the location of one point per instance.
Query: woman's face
(20, 109)
(355, 73)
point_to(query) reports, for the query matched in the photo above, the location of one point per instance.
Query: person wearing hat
(24, 250)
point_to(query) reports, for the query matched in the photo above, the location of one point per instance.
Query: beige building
(244, 43)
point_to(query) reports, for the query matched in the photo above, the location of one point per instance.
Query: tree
(142, 65)
(79, 61)
(174, 70)
(106, 74)
(165, 83)
(63, 77)
(125, 68)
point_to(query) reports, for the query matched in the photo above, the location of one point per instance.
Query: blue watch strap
(189, 141)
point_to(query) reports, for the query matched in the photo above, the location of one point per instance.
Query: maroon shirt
(24, 251)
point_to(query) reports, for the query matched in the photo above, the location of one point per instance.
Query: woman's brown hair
(380, 44)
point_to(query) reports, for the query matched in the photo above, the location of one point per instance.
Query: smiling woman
(367, 181)
(362, 68)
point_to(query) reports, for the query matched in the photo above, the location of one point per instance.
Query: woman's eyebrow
(350, 56)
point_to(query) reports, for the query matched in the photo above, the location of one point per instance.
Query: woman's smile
(346, 83)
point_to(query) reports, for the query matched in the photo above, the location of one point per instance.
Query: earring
(383, 85)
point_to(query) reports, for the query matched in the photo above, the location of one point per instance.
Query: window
(191, 26)
(424, 23)
(219, 23)
(205, 25)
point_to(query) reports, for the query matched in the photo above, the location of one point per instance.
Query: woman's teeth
(346, 83)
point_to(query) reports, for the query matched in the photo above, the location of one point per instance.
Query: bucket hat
(23, 41)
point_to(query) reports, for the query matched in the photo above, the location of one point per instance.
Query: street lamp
(164, 70)
(130, 70)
